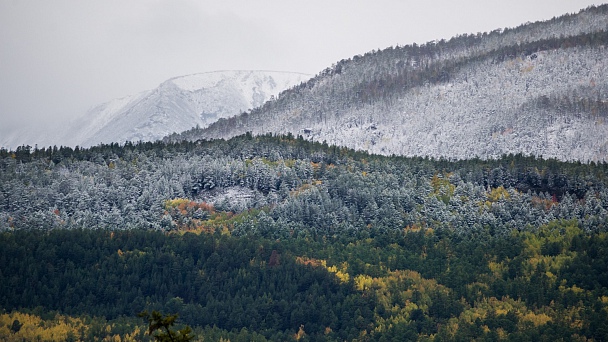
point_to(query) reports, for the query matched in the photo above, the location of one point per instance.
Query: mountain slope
(178, 104)
(538, 89)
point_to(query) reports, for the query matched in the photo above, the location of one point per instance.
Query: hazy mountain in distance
(538, 89)
(176, 105)
(180, 103)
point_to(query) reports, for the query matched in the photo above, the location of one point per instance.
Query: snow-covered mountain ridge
(539, 89)
(176, 105)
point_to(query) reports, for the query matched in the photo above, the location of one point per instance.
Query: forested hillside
(538, 89)
(278, 238)
(419, 284)
(293, 187)
(450, 191)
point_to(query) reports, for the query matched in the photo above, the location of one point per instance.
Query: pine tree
(163, 324)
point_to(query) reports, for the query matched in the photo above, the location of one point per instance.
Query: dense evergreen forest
(277, 238)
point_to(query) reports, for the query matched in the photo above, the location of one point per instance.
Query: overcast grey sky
(58, 58)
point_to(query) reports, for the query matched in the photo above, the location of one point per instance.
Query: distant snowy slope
(97, 119)
(27, 136)
(178, 104)
(539, 89)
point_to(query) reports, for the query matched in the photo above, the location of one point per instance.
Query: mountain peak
(178, 104)
(194, 82)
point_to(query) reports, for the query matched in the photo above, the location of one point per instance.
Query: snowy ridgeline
(538, 89)
(587, 21)
(465, 98)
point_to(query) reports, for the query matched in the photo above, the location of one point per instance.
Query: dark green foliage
(209, 280)
(88, 231)
(228, 282)
(16, 326)
(163, 324)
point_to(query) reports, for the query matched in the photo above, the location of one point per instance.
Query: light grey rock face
(178, 104)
